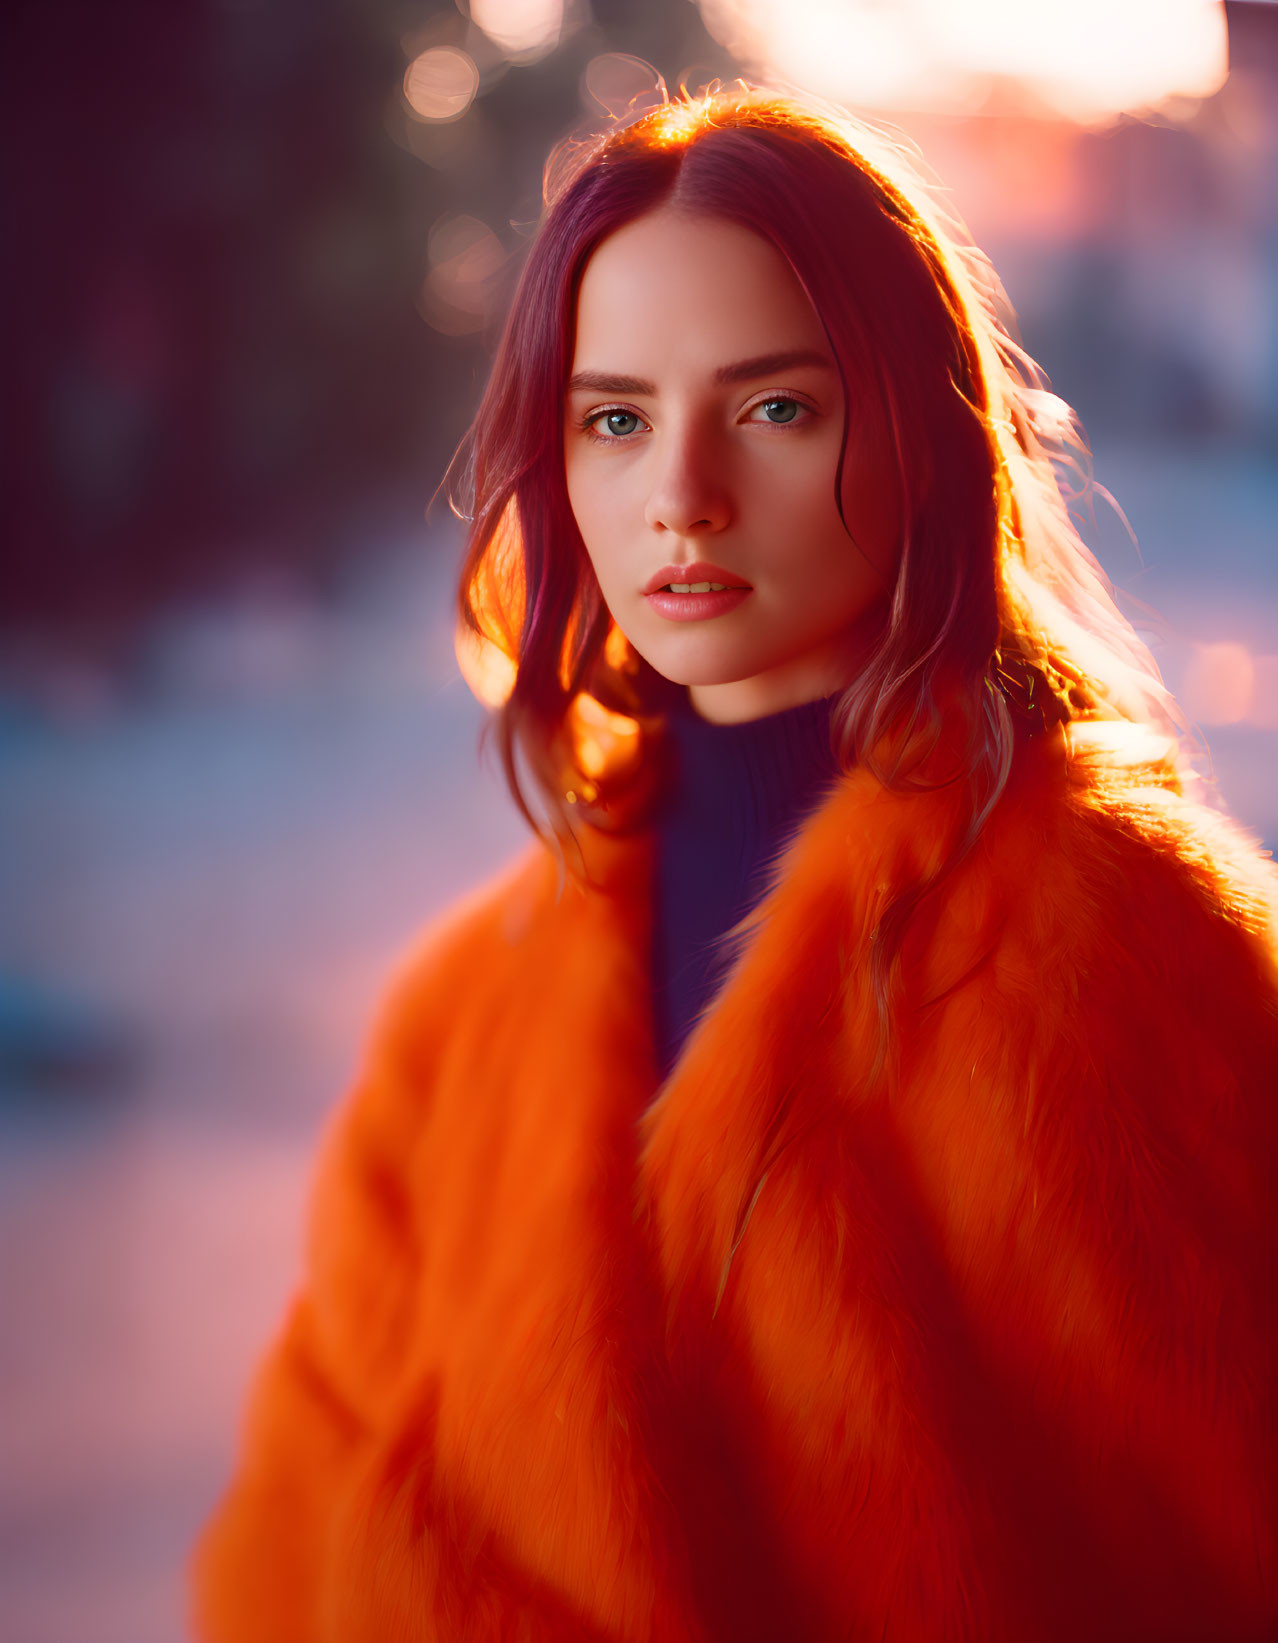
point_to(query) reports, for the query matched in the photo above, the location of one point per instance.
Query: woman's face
(703, 424)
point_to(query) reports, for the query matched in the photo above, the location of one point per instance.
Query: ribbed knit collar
(738, 794)
(755, 777)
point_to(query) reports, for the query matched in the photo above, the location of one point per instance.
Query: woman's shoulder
(1105, 959)
(1114, 877)
(496, 943)
(463, 946)
(445, 980)
(1121, 817)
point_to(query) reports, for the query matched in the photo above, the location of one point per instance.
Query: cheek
(793, 501)
(584, 504)
(574, 490)
(595, 510)
(600, 497)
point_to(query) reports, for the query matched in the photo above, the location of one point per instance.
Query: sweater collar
(769, 757)
(746, 783)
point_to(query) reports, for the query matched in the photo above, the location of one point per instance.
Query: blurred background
(258, 252)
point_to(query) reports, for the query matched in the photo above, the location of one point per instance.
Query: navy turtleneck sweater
(738, 794)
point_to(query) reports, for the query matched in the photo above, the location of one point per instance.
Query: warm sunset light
(488, 671)
(1086, 60)
(755, 1125)
(604, 741)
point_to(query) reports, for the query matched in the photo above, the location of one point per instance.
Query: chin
(703, 664)
(702, 677)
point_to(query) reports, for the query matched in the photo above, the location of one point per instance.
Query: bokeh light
(1264, 692)
(1227, 683)
(1087, 60)
(524, 29)
(620, 84)
(465, 259)
(1220, 684)
(440, 83)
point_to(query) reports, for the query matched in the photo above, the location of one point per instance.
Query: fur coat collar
(974, 1341)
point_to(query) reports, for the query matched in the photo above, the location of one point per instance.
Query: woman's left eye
(613, 425)
(778, 410)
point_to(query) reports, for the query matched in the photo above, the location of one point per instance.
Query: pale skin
(703, 422)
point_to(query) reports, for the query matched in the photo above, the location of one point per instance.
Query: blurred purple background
(259, 251)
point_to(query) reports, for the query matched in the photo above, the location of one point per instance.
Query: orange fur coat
(981, 1349)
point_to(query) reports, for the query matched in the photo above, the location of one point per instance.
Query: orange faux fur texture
(983, 1348)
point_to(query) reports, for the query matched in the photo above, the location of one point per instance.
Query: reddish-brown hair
(999, 620)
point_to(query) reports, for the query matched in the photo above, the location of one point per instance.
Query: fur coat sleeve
(974, 1339)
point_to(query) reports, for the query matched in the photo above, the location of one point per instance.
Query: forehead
(678, 290)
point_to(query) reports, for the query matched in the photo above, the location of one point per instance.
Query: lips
(699, 571)
(696, 607)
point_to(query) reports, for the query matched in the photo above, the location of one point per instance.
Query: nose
(690, 494)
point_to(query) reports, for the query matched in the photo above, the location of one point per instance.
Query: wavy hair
(999, 622)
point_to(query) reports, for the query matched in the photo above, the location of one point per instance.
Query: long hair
(999, 621)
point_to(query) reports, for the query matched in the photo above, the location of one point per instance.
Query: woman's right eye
(609, 425)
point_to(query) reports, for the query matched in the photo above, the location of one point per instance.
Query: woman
(824, 1189)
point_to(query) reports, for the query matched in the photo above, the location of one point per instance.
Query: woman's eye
(614, 424)
(780, 410)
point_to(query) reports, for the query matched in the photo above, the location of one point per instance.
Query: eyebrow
(742, 370)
